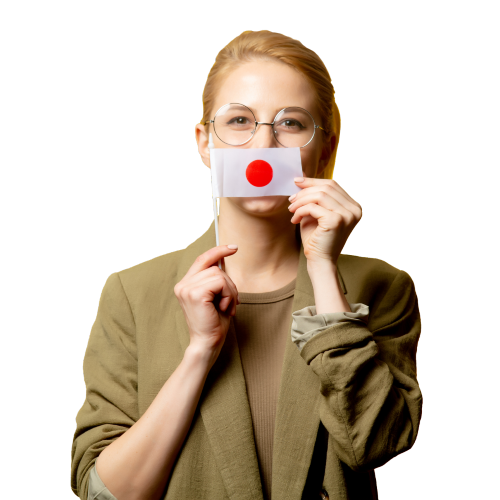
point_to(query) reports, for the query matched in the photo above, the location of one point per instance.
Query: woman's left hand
(327, 216)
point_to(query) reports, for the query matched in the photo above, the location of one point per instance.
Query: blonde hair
(251, 45)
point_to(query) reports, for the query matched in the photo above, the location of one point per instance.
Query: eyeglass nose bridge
(264, 123)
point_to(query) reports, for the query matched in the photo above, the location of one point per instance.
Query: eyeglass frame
(264, 123)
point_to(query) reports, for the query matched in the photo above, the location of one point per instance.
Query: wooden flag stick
(214, 179)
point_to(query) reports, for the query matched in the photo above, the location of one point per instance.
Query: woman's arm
(138, 464)
(371, 401)
(135, 454)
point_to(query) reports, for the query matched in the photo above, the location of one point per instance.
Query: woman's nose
(264, 136)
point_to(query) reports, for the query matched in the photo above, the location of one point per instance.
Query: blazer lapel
(224, 403)
(226, 413)
(297, 415)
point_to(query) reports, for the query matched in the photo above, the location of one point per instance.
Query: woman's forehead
(266, 87)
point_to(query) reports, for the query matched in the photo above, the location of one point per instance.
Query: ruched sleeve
(371, 402)
(306, 323)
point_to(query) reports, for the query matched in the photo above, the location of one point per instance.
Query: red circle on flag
(259, 173)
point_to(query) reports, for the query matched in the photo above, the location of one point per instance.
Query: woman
(289, 374)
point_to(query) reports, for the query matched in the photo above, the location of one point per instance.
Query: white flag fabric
(255, 171)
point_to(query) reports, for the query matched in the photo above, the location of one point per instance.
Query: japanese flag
(255, 171)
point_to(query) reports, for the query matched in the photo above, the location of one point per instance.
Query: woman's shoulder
(162, 270)
(143, 281)
(166, 263)
(370, 275)
(155, 278)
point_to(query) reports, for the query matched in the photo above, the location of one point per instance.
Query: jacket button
(323, 494)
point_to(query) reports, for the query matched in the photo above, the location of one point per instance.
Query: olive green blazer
(348, 402)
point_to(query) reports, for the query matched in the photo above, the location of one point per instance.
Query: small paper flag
(255, 171)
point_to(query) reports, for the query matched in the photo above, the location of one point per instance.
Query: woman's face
(266, 87)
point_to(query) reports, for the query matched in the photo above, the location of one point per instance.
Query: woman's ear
(202, 140)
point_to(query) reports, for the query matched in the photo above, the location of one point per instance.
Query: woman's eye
(292, 124)
(239, 120)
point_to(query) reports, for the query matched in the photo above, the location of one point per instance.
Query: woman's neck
(268, 250)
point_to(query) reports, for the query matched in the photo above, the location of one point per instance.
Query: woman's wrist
(201, 356)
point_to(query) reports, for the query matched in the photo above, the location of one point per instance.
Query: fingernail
(299, 179)
(292, 197)
(232, 247)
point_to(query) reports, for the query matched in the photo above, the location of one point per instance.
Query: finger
(226, 305)
(309, 182)
(209, 258)
(208, 275)
(232, 284)
(324, 200)
(326, 218)
(229, 291)
(225, 301)
(333, 193)
(228, 278)
(235, 299)
(211, 287)
(230, 300)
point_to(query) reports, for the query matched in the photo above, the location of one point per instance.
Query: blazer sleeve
(371, 402)
(110, 373)
(306, 323)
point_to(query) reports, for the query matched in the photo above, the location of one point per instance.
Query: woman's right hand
(208, 298)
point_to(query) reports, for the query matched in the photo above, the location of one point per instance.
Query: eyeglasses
(235, 124)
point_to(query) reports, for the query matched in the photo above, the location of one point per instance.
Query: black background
(136, 186)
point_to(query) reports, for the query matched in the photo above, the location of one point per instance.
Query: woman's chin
(261, 204)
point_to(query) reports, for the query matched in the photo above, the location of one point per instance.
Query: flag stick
(213, 177)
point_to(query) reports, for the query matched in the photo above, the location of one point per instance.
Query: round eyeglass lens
(293, 127)
(234, 124)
